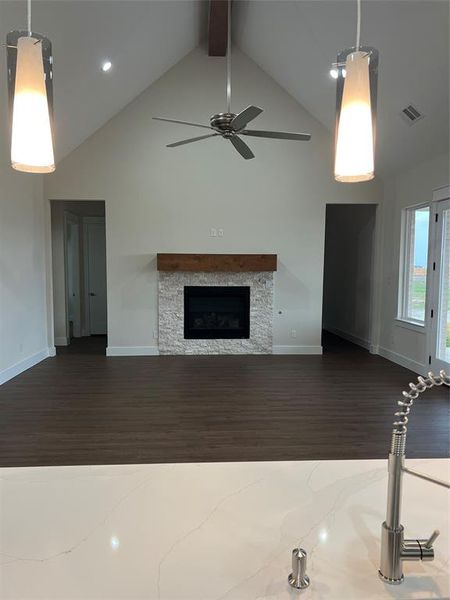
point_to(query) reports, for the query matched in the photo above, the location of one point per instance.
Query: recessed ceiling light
(106, 66)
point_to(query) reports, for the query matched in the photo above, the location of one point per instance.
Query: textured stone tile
(171, 313)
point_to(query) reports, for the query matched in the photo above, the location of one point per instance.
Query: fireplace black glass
(216, 312)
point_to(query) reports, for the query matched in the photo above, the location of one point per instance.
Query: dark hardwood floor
(83, 408)
(94, 345)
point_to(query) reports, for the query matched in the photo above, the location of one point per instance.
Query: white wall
(348, 272)
(58, 274)
(166, 200)
(24, 336)
(397, 341)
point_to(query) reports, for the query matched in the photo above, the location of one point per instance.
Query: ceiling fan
(230, 125)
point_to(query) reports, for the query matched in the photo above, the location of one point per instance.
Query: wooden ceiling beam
(218, 27)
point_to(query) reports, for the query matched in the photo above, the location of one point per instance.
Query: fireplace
(215, 303)
(216, 312)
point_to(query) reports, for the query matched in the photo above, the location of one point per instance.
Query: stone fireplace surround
(178, 271)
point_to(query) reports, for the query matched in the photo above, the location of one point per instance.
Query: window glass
(415, 258)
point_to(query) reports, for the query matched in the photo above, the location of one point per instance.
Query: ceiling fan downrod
(231, 126)
(229, 58)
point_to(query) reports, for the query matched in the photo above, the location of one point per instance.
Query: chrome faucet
(394, 547)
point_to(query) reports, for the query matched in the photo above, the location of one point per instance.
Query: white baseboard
(62, 341)
(403, 361)
(132, 351)
(25, 364)
(354, 339)
(297, 350)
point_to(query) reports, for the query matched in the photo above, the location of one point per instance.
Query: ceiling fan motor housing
(221, 122)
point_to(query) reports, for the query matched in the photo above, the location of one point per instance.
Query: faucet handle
(430, 541)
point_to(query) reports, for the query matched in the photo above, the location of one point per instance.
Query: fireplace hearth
(216, 312)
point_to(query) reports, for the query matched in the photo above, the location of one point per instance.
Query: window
(413, 275)
(443, 303)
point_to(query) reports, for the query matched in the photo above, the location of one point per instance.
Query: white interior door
(72, 256)
(96, 276)
(439, 342)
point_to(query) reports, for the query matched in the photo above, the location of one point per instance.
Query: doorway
(79, 276)
(348, 276)
(439, 287)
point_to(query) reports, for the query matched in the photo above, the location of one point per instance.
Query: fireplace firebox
(216, 312)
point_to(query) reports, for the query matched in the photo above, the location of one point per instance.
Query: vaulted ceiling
(143, 39)
(295, 42)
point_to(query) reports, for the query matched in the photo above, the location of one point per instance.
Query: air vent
(411, 114)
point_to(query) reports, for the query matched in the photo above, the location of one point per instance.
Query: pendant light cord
(29, 17)
(229, 57)
(358, 26)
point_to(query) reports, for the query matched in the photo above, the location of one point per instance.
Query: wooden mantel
(217, 262)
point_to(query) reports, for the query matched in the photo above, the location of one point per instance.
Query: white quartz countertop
(213, 531)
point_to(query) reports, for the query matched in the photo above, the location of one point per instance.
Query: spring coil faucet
(394, 548)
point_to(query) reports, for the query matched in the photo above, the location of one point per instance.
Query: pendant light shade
(31, 136)
(355, 144)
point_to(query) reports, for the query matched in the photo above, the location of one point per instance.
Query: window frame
(404, 271)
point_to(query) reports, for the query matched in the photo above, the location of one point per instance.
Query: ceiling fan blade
(190, 140)
(245, 116)
(277, 135)
(181, 122)
(241, 147)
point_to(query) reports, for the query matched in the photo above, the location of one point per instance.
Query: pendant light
(356, 111)
(31, 97)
